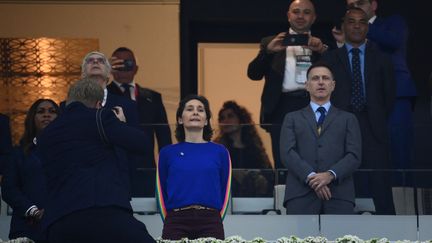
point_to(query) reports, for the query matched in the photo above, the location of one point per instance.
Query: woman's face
(194, 115)
(45, 113)
(228, 121)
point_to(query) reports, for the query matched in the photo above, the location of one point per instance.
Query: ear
(98, 104)
(180, 121)
(307, 86)
(205, 123)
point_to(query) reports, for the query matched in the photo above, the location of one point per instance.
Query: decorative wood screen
(33, 68)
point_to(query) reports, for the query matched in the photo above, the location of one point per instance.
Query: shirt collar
(372, 20)
(132, 84)
(105, 97)
(315, 106)
(362, 47)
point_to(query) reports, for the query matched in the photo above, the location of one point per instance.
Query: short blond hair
(87, 91)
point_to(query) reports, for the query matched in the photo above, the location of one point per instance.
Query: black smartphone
(296, 40)
(128, 65)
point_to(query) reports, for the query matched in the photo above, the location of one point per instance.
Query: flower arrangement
(291, 239)
(18, 240)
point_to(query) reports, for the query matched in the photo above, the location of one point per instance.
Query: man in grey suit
(321, 147)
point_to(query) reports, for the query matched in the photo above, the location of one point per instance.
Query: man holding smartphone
(151, 115)
(283, 61)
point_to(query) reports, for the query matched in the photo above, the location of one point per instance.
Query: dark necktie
(126, 92)
(321, 118)
(357, 96)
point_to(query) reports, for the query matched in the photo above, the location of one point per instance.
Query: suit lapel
(344, 59)
(369, 64)
(309, 115)
(278, 63)
(331, 115)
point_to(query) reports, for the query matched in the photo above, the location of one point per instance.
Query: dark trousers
(376, 183)
(106, 224)
(193, 224)
(311, 204)
(288, 102)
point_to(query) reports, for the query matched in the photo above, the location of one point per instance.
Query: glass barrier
(401, 190)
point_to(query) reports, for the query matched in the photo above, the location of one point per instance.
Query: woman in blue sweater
(193, 176)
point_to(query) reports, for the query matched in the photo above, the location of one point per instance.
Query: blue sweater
(193, 174)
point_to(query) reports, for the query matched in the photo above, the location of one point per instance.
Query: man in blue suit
(87, 178)
(391, 35)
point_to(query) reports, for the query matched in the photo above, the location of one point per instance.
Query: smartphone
(296, 40)
(129, 65)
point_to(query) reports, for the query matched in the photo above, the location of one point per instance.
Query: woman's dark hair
(249, 134)
(179, 131)
(30, 130)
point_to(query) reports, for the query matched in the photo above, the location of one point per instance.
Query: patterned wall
(33, 68)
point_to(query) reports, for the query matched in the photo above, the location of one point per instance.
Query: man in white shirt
(284, 69)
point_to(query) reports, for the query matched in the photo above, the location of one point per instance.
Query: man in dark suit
(284, 69)
(321, 147)
(87, 180)
(96, 66)
(5, 143)
(366, 87)
(391, 36)
(151, 113)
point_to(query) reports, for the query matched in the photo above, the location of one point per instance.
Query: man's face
(301, 15)
(355, 27)
(124, 76)
(369, 6)
(320, 84)
(96, 66)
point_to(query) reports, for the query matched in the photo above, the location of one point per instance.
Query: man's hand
(324, 193)
(320, 180)
(275, 45)
(118, 111)
(116, 63)
(315, 44)
(39, 213)
(338, 35)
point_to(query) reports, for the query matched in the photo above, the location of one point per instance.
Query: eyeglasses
(95, 59)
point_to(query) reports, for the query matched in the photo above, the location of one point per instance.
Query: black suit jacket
(379, 80)
(23, 186)
(272, 68)
(152, 118)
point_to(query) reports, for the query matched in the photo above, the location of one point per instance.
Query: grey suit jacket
(303, 151)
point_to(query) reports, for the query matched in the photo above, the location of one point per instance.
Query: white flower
(349, 239)
(318, 239)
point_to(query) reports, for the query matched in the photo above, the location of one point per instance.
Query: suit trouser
(375, 155)
(288, 102)
(105, 224)
(311, 204)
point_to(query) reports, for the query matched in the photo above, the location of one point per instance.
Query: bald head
(301, 15)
